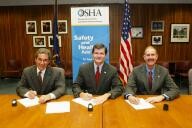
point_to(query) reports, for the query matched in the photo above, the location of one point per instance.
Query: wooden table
(118, 114)
(35, 117)
(112, 114)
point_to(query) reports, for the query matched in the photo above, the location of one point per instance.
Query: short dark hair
(43, 51)
(99, 46)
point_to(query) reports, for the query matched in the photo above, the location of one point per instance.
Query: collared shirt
(153, 71)
(100, 67)
(42, 73)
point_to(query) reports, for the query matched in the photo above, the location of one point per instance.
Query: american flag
(126, 59)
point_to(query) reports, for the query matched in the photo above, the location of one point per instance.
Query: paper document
(58, 107)
(84, 102)
(142, 104)
(29, 102)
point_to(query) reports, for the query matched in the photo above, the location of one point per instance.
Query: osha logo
(89, 12)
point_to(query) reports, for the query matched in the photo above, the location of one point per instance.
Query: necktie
(97, 75)
(150, 80)
(40, 77)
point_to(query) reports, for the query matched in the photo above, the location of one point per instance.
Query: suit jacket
(108, 82)
(53, 81)
(162, 82)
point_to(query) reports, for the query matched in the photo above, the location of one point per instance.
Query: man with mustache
(150, 79)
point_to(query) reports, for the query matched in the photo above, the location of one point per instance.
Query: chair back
(190, 81)
(182, 66)
(13, 64)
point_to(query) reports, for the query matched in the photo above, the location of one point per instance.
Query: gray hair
(43, 51)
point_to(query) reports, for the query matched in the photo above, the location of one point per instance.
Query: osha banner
(90, 25)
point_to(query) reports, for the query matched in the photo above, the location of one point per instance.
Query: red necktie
(150, 80)
(97, 75)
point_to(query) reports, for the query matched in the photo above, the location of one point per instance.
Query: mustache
(150, 59)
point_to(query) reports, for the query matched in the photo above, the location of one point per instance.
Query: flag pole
(56, 56)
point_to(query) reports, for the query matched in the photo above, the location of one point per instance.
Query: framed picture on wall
(39, 41)
(180, 32)
(50, 41)
(156, 40)
(62, 26)
(137, 32)
(157, 26)
(31, 27)
(46, 27)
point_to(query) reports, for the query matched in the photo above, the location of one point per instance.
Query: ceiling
(50, 2)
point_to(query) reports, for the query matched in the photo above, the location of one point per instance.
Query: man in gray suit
(88, 83)
(41, 79)
(161, 82)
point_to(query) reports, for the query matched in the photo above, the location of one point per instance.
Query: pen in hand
(31, 94)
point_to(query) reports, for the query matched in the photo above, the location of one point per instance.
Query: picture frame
(62, 26)
(46, 27)
(180, 32)
(157, 26)
(31, 27)
(157, 40)
(50, 41)
(137, 32)
(39, 41)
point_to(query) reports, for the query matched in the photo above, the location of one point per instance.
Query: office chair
(12, 69)
(182, 68)
(190, 81)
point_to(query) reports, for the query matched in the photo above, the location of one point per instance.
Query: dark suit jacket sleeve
(76, 85)
(170, 88)
(59, 83)
(131, 88)
(116, 87)
(23, 86)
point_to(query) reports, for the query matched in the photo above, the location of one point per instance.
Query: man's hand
(31, 94)
(103, 98)
(133, 99)
(44, 98)
(86, 96)
(155, 99)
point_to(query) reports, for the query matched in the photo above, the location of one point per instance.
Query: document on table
(29, 102)
(142, 104)
(58, 107)
(84, 102)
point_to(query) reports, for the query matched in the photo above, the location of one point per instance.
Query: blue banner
(83, 39)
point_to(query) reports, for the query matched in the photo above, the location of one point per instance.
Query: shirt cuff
(52, 96)
(126, 96)
(26, 94)
(166, 97)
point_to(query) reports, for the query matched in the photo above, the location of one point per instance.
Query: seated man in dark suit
(97, 78)
(150, 79)
(41, 79)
